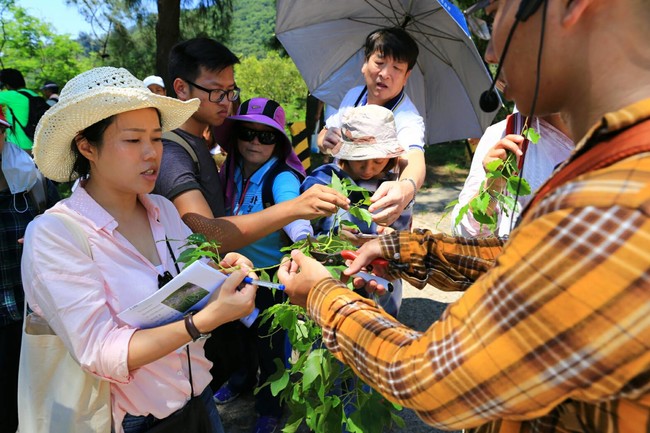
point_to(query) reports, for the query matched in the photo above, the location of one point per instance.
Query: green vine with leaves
(497, 171)
(316, 388)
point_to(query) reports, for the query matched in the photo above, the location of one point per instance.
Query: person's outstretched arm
(235, 232)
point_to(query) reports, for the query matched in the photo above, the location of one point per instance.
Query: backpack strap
(38, 193)
(514, 125)
(76, 231)
(14, 119)
(176, 138)
(81, 240)
(280, 166)
(632, 141)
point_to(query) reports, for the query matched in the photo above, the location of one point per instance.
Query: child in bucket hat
(106, 129)
(261, 169)
(368, 154)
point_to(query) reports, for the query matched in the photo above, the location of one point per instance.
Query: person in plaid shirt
(554, 334)
(17, 209)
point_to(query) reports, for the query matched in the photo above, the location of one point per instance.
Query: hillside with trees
(127, 33)
(253, 28)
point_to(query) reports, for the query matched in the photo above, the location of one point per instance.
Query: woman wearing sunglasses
(261, 170)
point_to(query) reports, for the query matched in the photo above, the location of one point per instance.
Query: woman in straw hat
(106, 130)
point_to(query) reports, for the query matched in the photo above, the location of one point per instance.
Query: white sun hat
(154, 79)
(85, 100)
(368, 132)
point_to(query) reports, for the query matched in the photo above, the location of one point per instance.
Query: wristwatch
(191, 328)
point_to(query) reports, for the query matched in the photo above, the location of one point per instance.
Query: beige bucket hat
(88, 98)
(368, 132)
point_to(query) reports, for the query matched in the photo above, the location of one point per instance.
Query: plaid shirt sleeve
(564, 315)
(447, 262)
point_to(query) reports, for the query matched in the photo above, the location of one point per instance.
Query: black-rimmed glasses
(264, 137)
(478, 21)
(217, 95)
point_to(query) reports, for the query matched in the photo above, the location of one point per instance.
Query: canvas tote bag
(54, 394)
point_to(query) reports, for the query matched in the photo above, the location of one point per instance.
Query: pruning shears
(339, 258)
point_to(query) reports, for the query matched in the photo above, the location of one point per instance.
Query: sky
(65, 19)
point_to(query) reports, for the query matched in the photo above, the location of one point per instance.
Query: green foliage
(276, 78)
(358, 210)
(515, 186)
(199, 247)
(128, 28)
(31, 46)
(316, 386)
(133, 48)
(253, 27)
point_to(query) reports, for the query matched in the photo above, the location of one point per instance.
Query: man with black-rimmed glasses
(203, 68)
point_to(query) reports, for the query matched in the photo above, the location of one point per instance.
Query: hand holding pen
(236, 260)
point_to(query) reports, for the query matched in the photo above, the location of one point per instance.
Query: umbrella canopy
(325, 40)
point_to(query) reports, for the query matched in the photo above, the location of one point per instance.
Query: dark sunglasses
(264, 137)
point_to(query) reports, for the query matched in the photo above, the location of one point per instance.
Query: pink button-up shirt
(80, 298)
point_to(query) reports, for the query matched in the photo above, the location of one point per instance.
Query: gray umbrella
(325, 39)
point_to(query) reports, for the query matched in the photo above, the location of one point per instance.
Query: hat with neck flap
(257, 110)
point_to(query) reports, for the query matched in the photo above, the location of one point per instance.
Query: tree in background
(276, 78)
(31, 46)
(128, 28)
(253, 28)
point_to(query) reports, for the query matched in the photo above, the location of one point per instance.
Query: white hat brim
(61, 123)
(364, 151)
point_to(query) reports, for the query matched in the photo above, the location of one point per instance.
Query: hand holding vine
(390, 199)
(236, 261)
(510, 144)
(318, 201)
(299, 275)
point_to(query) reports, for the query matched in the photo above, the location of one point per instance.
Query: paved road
(419, 309)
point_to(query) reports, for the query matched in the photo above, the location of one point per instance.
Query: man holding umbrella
(390, 55)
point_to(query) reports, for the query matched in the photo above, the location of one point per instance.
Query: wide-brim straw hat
(85, 100)
(368, 132)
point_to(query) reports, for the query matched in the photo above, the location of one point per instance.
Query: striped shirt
(553, 338)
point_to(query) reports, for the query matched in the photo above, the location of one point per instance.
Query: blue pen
(270, 285)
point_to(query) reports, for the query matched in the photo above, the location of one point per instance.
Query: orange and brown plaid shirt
(553, 337)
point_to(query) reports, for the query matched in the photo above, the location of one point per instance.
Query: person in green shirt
(15, 104)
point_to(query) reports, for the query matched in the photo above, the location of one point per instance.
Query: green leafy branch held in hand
(316, 387)
(504, 174)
